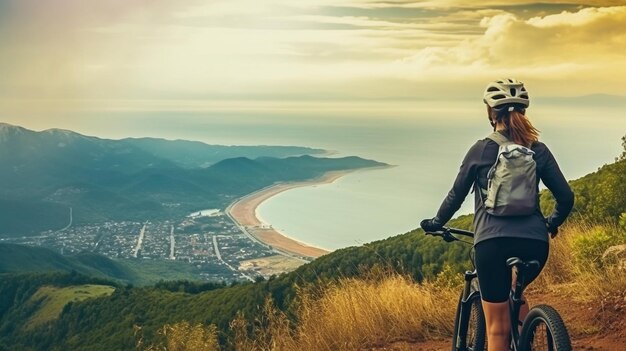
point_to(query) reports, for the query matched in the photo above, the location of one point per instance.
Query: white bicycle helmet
(506, 91)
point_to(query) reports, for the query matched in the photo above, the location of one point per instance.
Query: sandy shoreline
(243, 211)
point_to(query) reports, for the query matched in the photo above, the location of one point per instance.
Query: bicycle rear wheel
(544, 330)
(473, 332)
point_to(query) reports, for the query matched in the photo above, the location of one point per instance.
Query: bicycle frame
(466, 301)
(515, 306)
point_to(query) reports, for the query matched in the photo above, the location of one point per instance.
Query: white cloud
(583, 17)
(584, 49)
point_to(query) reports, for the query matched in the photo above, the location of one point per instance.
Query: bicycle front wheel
(544, 330)
(470, 335)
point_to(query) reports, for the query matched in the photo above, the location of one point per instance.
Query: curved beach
(243, 211)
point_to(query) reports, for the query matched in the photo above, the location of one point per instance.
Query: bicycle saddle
(523, 265)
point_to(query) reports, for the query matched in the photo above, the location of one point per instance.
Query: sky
(63, 56)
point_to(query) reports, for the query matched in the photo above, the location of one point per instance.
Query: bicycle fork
(466, 308)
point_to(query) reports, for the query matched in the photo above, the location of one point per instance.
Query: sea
(425, 144)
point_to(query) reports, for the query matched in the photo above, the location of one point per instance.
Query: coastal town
(210, 241)
(227, 245)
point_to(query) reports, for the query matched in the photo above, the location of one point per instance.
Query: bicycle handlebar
(446, 234)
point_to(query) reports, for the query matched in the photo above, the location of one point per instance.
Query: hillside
(575, 265)
(19, 258)
(599, 195)
(51, 300)
(56, 177)
(194, 154)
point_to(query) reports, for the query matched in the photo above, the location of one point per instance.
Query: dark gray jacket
(474, 168)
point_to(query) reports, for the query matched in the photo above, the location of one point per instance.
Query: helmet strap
(490, 116)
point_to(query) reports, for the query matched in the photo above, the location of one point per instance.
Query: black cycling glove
(552, 229)
(431, 225)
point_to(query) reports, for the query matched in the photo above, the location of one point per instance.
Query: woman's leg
(494, 278)
(498, 322)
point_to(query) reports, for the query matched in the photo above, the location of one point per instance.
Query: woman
(500, 237)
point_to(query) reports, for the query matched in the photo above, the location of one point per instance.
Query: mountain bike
(542, 329)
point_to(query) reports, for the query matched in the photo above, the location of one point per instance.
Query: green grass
(53, 299)
(151, 271)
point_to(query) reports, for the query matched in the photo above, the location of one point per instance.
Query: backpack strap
(480, 192)
(499, 138)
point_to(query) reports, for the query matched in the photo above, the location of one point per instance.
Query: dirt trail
(598, 325)
(595, 325)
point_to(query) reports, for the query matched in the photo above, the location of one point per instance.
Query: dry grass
(353, 314)
(576, 261)
(184, 337)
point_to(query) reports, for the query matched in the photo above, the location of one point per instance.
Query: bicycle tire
(556, 335)
(475, 335)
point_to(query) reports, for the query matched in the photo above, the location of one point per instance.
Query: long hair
(520, 130)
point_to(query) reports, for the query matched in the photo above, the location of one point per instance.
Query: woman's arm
(461, 187)
(553, 178)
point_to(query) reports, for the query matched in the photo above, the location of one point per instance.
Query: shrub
(589, 247)
(183, 336)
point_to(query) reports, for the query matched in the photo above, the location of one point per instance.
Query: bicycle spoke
(542, 338)
(469, 327)
(544, 330)
(550, 342)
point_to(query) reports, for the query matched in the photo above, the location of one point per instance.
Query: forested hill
(20, 258)
(107, 323)
(45, 174)
(599, 195)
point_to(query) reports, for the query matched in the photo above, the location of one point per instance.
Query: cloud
(583, 47)
(466, 4)
(283, 49)
(575, 19)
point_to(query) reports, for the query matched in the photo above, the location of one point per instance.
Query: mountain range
(46, 173)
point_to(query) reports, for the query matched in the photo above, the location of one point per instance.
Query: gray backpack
(512, 180)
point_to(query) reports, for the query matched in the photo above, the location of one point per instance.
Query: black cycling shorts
(494, 276)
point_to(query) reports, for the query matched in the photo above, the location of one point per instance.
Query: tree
(623, 155)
